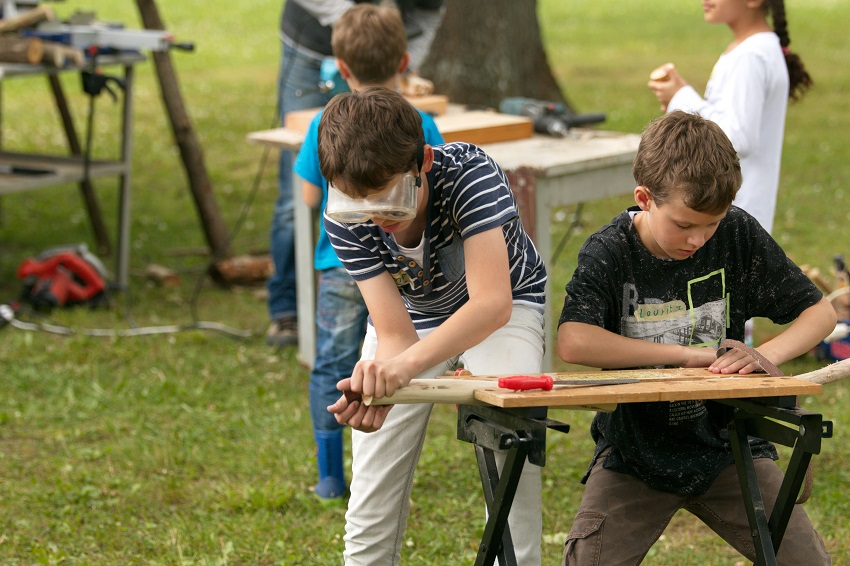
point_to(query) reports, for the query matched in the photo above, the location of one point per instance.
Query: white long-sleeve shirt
(747, 96)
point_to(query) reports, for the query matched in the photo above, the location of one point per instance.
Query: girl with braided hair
(747, 94)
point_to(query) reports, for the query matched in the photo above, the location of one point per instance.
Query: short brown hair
(366, 138)
(371, 40)
(682, 153)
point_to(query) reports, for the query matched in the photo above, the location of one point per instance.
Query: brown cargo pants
(620, 518)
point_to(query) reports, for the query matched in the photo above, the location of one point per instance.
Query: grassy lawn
(196, 447)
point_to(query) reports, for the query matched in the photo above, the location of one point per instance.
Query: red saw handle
(526, 382)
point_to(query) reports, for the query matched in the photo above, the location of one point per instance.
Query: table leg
(499, 492)
(522, 434)
(123, 260)
(753, 502)
(305, 274)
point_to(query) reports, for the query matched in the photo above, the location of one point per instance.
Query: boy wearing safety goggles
(432, 235)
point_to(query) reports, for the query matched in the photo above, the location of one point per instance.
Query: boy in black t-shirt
(662, 285)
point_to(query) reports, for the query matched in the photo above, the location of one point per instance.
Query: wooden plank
(281, 138)
(481, 127)
(299, 120)
(651, 390)
(473, 127)
(434, 104)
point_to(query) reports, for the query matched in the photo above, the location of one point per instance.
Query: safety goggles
(396, 203)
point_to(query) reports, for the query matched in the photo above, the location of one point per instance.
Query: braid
(800, 81)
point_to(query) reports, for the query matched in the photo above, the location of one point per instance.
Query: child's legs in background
(340, 326)
(517, 348)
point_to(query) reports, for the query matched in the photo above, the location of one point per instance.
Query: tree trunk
(486, 51)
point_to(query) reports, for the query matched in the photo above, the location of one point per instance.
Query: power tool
(63, 276)
(551, 118)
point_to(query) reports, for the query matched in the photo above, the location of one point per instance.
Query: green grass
(196, 448)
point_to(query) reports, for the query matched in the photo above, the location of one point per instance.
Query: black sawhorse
(521, 432)
(780, 421)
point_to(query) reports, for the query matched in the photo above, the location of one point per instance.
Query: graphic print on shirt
(401, 278)
(679, 322)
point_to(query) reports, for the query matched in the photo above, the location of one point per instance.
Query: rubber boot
(331, 475)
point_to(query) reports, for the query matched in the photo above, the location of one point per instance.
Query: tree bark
(486, 51)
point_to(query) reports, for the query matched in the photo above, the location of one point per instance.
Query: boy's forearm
(311, 194)
(467, 327)
(812, 326)
(589, 345)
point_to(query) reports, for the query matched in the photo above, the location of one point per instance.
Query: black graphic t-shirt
(740, 273)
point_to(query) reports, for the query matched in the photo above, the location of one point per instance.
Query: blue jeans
(340, 327)
(298, 72)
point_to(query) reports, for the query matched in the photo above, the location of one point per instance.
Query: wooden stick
(26, 19)
(58, 55)
(54, 55)
(828, 374)
(458, 391)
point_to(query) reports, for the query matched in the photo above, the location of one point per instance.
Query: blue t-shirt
(307, 166)
(469, 194)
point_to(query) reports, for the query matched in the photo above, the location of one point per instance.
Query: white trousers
(384, 461)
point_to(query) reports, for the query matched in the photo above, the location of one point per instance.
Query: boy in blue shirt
(663, 285)
(370, 44)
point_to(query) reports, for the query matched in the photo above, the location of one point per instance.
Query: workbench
(26, 171)
(760, 406)
(546, 173)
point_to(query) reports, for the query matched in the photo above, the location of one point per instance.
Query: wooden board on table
(434, 104)
(653, 387)
(281, 138)
(481, 127)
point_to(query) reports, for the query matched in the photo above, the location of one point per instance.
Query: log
(243, 270)
(15, 49)
(58, 55)
(26, 19)
(814, 274)
(162, 276)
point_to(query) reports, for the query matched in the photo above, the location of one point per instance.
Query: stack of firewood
(838, 290)
(18, 48)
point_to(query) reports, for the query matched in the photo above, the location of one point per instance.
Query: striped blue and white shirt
(469, 194)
